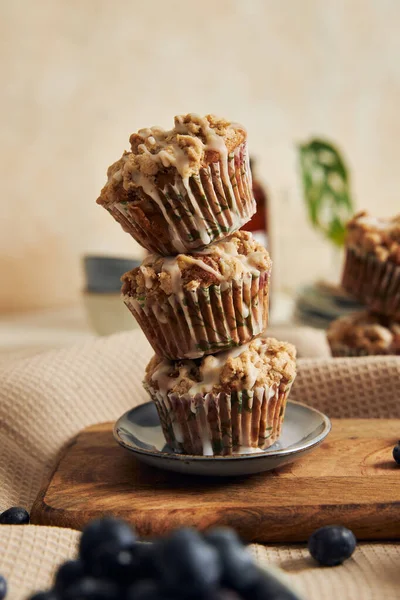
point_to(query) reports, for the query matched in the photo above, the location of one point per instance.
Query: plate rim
(231, 458)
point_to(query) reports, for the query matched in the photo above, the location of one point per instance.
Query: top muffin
(182, 189)
(372, 235)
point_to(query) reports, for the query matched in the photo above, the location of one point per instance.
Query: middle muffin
(190, 305)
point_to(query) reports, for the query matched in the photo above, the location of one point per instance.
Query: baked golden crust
(371, 333)
(156, 154)
(262, 362)
(371, 235)
(224, 261)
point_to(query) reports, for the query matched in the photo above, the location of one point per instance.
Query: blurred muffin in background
(372, 267)
(364, 334)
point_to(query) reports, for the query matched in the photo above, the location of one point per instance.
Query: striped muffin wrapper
(373, 282)
(195, 213)
(223, 424)
(206, 320)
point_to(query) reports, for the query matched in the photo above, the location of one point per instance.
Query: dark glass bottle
(260, 221)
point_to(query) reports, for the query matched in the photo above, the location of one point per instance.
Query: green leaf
(326, 188)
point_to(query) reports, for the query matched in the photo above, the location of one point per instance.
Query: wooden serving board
(351, 479)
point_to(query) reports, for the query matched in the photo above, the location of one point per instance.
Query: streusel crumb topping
(192, 143)
(261, 362)
(372, 235)
(365, 331)
(223, 261)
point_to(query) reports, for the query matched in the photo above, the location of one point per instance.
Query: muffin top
(192, 143)
(380, 237)
(224, 261)
(365, 331)
(261, 362)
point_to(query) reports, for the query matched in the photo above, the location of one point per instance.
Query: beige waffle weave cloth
(47, 398)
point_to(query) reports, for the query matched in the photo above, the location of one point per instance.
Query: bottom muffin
(231, 402)
(364, 334)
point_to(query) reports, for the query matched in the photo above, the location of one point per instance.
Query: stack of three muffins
(201, 297)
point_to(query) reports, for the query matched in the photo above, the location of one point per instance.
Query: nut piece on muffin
(208, 301)
(230, 402)
(372, 268)
(364, 334)
(182, 189)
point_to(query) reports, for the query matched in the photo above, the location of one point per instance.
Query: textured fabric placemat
(48, 398)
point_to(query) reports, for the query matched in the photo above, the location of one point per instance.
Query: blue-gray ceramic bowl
(103, 273)
(139, 430)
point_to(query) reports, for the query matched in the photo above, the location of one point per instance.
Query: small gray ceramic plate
(139, 430)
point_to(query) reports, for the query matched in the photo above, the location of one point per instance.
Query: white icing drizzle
(205, 433)
(199, 405)
(200, 263)
(147, 277)
(171, 266)
(159, 313)
(373, 222)
(177, 431)
(118, 175)
(225, 249)
(249, 450)
(210, 371)
(272, 391)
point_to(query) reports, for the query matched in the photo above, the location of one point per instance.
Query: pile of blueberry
(113, 565)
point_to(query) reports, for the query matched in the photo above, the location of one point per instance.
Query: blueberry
(331, 545)
(145, 590)
(112, 561)
(68, 574)
(238, 568)
(188, 565)
(102, 531)
(396, 453)
(268, 587)
(16, 515)
(50, 595)
(90, 588)
(146, 566)
(3, 587)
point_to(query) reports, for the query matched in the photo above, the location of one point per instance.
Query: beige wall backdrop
(78, 76)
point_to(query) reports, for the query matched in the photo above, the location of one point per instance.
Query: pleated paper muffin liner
(223, 424)
(194, 213)
(373, 282)
(206, 320)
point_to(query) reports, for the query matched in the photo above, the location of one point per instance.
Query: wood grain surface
(350, 479)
